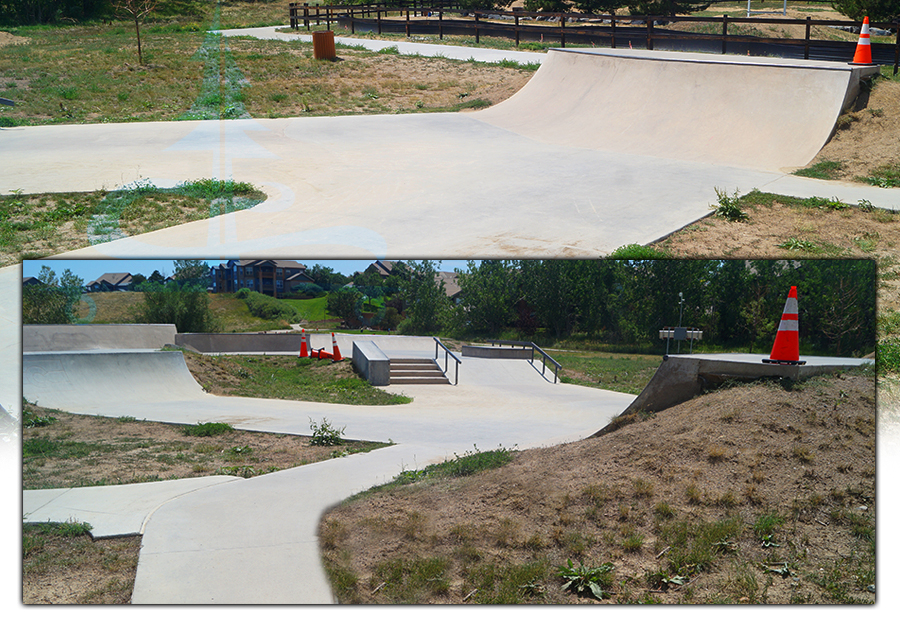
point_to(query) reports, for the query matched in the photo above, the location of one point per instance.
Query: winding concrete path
(230, 540)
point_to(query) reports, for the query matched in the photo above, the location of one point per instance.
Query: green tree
(182, 303)
(53, 300)
(489, 293)
(193, 271)
(875, 10)
(427, 305)
(606, 7)
(326, 277)
(665, 7)
(547, 6)
(345, 303)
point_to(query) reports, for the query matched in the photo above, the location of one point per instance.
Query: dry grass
(677, 527)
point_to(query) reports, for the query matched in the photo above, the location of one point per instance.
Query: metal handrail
(544, 355)
(447, 355)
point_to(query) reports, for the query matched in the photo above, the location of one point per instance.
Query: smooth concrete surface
(371, 362)
(455, 52)
(519, 179)
(241, 343)
(254, 541)
(93, 337)
(767, 114)
(681, 377)
(119, 510)
(11, 340)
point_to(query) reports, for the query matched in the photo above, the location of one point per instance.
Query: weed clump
(207, 429)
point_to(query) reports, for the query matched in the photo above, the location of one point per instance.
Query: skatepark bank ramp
(80, 381)
(95, 337)
(761, 113)
(680, 378)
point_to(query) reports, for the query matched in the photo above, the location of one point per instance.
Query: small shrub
(635, 251)
(633, 543)
(586, 581)
(642, 488)
(729, 207)
(663, 511)
(324, 434)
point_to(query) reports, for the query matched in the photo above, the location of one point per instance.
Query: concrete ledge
(371, 361)
(36, 338)
(680, 378)
(496, 352)
(240, 343)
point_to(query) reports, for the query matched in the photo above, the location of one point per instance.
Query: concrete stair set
(416, 371)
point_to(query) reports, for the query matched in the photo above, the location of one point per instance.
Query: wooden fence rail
(644, 30)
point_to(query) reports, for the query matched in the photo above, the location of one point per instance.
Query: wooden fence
(417, 17)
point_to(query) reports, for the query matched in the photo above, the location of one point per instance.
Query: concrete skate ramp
(241, 343)
(93, 337)
(84, 380)
(762, 113)
(680, 378)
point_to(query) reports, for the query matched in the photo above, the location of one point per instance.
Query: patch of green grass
(507, 584)
(887, 175)
(695, 546)
(208, 429)
(621, 373)
(822, 170)
(308, 379)
(635, 251)
(796, 244)
(411, 581)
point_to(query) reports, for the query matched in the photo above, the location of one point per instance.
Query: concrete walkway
(409, 48)
(230, 540)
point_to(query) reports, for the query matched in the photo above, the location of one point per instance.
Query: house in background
(110, 282)
(270, 277)
(30, 280)
(385, 268)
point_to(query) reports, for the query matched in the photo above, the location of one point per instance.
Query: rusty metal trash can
(323, 45)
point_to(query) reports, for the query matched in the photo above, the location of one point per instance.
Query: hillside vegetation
(752, 494)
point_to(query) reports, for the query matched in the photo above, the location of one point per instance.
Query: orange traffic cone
(303, 351)
(863, 55)
(337, 352)
(786, 349)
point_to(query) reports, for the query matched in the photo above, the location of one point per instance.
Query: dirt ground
(10, 39)
(124, 451)
(807, 454)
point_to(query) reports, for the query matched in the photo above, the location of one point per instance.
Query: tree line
(623, 303)
(737, 304)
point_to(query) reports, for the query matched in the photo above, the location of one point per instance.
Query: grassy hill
(752, 494)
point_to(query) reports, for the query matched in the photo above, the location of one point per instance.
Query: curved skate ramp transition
(764, 113)
(95, 337)
(80, 381)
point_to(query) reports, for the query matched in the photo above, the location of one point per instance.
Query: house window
(279, 271)
(248, 271)
(279, 284)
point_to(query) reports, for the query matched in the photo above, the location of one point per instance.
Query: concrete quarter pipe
(599, 150)
(765, 113)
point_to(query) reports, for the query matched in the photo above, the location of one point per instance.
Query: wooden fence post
(649, 34)
(477, 34)
(562, 29)
(613, 36)
(724, 33)
(806, 41)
